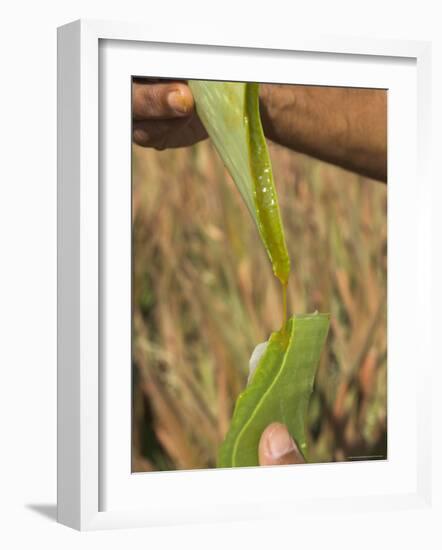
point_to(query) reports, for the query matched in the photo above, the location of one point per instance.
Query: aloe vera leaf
(279, 390)
(281, 385)
(230, 114)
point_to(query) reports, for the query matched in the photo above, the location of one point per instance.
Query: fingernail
(177, 101)
(280, 443)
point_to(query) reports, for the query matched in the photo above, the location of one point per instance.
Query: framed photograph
(242, 254)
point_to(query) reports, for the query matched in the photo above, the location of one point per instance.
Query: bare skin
(164, 115)
(276, 447)
(343, 126)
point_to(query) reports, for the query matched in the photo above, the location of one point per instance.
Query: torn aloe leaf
(230, 114)
(279, 390)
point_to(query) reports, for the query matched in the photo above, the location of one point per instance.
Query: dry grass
(204, 296)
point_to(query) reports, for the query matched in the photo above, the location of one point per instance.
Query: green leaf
(230, 114)
(279, 390)
(281, 386)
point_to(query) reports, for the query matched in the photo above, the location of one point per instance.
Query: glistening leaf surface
(230, 114)
(279, 390)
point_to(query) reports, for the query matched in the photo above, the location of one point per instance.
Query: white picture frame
(84, 446)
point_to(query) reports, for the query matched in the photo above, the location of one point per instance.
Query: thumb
(277, 447)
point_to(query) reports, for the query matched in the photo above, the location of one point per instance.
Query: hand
(163, 114)
(277, 447)
(344, 126)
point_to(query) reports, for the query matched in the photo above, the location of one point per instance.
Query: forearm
(344, 126)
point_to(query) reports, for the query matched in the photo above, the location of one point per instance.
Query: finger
(174, 132)
(153, 133)
(161, 100)
(277, 447)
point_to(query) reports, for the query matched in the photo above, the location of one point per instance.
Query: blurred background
(204, 295)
